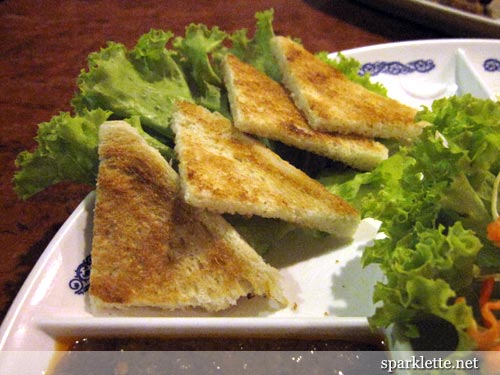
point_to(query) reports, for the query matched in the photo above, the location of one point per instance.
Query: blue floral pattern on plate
(397, 67)
(491, 65)
(81, 281)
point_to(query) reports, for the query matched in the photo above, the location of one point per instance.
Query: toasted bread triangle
(152, 249)
(261, 106)
(333, 103)
(226, 171)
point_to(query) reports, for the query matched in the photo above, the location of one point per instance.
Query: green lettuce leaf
(433, 200)
(144, 82)
(201, 51)
(195, 52)
(350, 67)
(67, 151)
(257, 51)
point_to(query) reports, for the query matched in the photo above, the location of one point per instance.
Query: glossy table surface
(45, 44)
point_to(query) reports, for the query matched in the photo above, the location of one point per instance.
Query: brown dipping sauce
(147, 355)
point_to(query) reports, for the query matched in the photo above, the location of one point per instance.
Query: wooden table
(44, 45)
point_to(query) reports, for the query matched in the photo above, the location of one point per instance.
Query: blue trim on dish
(491, 65)
(397, 68)
(81, 282)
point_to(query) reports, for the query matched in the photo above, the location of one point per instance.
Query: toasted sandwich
(224, 170)
(261, 106)
(151, 249)
(333, 103)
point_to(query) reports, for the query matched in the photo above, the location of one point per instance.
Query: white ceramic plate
(330, 293)
(452, 20)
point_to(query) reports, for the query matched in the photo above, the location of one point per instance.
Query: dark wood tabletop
(45, 44)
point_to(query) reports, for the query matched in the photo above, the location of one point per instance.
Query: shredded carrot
(493, 232)
(486, 290)
(460, 300)
(487, 337)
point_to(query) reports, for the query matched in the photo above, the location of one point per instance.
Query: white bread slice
(261, 106)
(152, 249)
(226, 171)
(333, 103)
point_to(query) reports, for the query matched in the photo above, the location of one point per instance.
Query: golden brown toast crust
(261, 106)
(152, 249)
(226, 171)
(331, 102)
